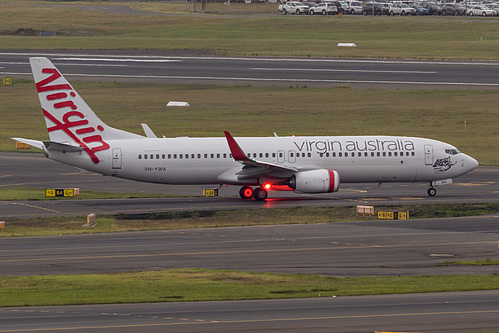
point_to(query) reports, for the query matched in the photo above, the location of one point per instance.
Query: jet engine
(316, 181)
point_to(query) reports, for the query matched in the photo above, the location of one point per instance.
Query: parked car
(294, 7)
(324, 8)
(400, 9)
(374, 8)
(310, 4)
(495, 7)
(433, 9)
(339, 5)
(420, 10)
(481, 11)
(354, 7)
(453, 9)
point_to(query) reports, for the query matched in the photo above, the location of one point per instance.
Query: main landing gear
(259, 193)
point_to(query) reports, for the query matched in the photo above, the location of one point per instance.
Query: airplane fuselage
(358, 159)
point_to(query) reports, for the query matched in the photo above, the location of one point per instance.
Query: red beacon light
(267, 186)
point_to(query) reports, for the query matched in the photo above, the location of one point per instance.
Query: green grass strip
(485, 262)
(213, 285)
(225, 218)
(30, 193)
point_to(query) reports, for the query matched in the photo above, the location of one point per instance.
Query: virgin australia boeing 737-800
(302, 164)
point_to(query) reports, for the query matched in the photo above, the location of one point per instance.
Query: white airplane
(301, 164)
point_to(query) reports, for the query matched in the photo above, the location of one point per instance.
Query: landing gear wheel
(246, 192)
(432, 192)
(260, 194)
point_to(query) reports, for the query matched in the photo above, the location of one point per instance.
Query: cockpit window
(452, 151)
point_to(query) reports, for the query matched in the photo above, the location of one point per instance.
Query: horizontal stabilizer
(34, 143)
(58, 146)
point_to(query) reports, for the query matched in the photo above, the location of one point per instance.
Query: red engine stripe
(331, 180)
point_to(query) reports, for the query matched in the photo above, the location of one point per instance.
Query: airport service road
(374, 248)
(172, 67)
(36, 171)
(438, 312)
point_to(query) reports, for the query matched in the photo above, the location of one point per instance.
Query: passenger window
(157, 156)
(340, 154)
(267, 155)
(186, 155)
(212, 155)
(152, 156)
(145, 156)
(175, 156)
(180, 156)
(309, 154)
(360, 154)
(199, 155)
(163, 156)
(225, 155)
(218, 155)
(169, 156)
(205, 155)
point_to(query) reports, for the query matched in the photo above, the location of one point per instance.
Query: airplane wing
(253, 168)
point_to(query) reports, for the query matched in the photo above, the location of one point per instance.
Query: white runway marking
(340, 70)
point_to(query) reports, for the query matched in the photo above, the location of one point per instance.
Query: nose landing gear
(432, 191)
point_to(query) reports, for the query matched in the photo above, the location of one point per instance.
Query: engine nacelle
(316, 181)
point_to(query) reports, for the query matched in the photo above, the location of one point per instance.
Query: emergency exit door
(116, 158)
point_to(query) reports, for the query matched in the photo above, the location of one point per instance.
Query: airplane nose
(470, 163)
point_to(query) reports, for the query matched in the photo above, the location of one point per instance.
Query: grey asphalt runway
(440, 312)
(414, 247)
(175, 67)
(36, 171)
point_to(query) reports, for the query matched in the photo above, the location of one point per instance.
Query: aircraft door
(291, 156)
(116, 158)
(428, 154)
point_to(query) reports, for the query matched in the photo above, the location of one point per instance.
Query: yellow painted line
(37, 207)
(243, 251)
(424, 314)
(256, 239)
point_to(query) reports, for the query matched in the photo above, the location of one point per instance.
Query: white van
(354, 7)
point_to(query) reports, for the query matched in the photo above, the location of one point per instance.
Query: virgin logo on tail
(73, 122)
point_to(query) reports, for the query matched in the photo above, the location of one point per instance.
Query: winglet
(236, 151)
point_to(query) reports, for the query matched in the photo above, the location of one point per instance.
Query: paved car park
(403, 8)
